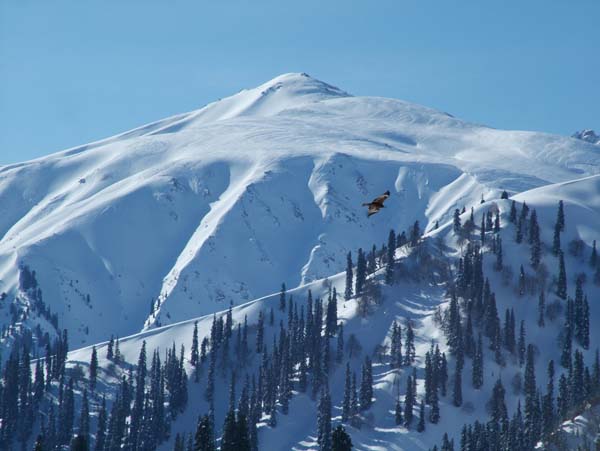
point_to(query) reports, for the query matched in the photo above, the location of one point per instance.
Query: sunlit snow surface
(225, 203)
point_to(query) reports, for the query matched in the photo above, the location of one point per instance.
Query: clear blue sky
(76, 71)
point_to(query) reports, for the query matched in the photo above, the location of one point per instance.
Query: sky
(73, 72)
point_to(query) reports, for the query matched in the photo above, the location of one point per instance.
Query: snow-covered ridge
(195, 210)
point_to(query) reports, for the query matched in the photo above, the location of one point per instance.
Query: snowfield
(146, 233)
(189, 213)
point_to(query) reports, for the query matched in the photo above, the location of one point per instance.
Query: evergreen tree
(349, 277)
(477, 373)
(594, 256)
(409, 354)
(366, 386)
(391, 250)
(513, 212)
(110, 348)
(282, 295)
(324, 421)
(195, 355)
(101, 427)
(421, 424)
(415, 234)
(398, 412)
(556, 248)
(521, 344)
(409, 402)
(534, 240)
(482, 230)
(457, 392)
(361, 272)
(560, 216)
(499, 259)
(93, 368)
(434, 413)
(346, 404)
(541, 309)
(497, 403)
(561, 288)
(332, 318)
(522, 281)
(79, 443)
(84, 418)
(497, 222)
(340, 440)
(456, 221)
(548, 414)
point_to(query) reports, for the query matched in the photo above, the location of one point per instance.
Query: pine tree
(561, 288)
(195, 355)
(93, 368)
(340, 440)
(522, 281)
(456, 221)
(398, 412)
(499, 259)
(331, 321)
(497, 222)
(409, 354)
(349, 277)
(565, 359)
(421, 424)
(482, 233)
(79, 443)
(391, 250)
(534, 240)
(409, 402)
(594, 256)
(548, 414)
(101, 427)
(415, 234)
(497, 403)
(457, 392)
(361, 272)
(346, 404)
(324, 421)
(560, 216)
(541, 309)
(110, 349)
(282, 297)
(84, 418)
(521, 344)
(477, 373)
(434, 413)
(366, 385)
(513, 212)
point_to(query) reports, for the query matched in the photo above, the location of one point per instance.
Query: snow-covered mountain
(416, 296)
(149, 233)
(587, 135)
(185, 215)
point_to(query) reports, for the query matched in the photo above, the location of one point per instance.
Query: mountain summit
(183, 216)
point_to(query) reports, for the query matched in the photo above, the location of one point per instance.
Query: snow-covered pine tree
(561, 285)
(391, 250)
(349, 277)
(541, 309)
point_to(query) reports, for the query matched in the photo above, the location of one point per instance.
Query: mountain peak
(587, 135)
(283, 92)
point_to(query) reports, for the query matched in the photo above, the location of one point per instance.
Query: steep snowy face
(180, 217)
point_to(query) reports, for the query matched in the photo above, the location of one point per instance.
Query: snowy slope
(415, 299)
(190, 213)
